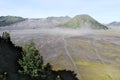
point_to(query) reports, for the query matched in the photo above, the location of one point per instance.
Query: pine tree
(6, 36)
(32, 62)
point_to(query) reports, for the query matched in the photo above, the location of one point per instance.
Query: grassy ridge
(89, 70)
(7, 20)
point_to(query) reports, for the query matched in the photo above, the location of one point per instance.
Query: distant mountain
(84, 21)
(33, 23)
(58, 20)
(79, 21)
(7, 20)
(114, 24)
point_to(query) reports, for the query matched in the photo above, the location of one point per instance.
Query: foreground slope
(84, 21)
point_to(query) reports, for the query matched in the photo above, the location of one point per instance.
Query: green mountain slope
(84, 21)
(7, 20)
(114, 24)
(59, 19)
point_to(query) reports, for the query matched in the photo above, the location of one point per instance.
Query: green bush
(6, 36)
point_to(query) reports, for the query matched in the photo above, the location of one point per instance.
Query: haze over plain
(104, 11)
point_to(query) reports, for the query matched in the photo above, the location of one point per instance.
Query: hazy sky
(104, 11)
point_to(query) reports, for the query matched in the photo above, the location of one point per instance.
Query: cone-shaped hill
(84, 21)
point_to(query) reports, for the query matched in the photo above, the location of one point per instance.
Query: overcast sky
(103, 11)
